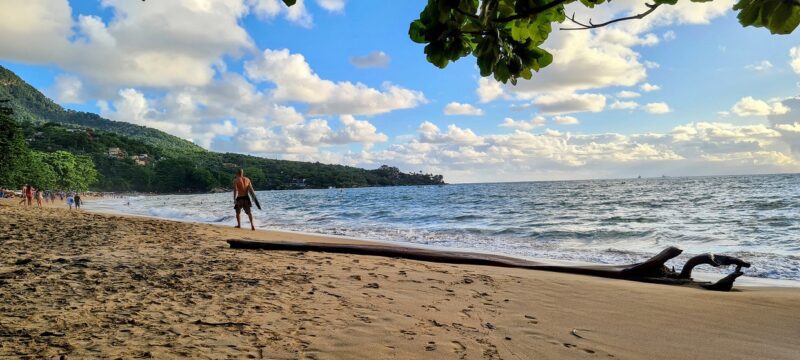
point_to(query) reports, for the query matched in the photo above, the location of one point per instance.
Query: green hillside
(136, 158)
(30, 105)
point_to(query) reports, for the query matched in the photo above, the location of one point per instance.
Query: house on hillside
(140, 159)
(115, 152)
(230, 165)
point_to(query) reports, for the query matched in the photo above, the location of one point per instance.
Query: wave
(593, 221)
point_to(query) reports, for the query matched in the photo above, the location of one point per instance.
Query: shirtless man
(241, 199)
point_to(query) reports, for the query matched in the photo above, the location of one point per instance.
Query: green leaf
(417, 32)
(520, 33)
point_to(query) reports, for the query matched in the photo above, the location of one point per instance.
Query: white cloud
(647, 87)
(69, 89)
(295, 81)
(565, 120)
(657, 108)
(135, 48)
(306, 138)
(455, 108)
(624, 105)
(749, 106)
(625, 94)
(794, 54)
(297, 14)
(763, 65)
(332, 5)
(695, 148)
(788, 124)
(651, 65)
(669, 35)
(523, 124)
(430, 133)
(375, 59)
(131, 106)
(562, 103)
(577, 56)
(489, 89)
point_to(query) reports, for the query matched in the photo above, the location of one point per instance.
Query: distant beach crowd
(31, 196)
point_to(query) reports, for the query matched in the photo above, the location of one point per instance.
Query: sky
(685, 91)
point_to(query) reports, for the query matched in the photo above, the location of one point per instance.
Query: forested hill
(135, 158)
(30, 105)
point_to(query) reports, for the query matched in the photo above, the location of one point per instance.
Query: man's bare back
(241, 184)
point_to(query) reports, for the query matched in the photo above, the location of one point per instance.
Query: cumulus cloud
(489, 89)
(669, 35)
(624, 105)
(794, 55)
(788, 124)
(523, 124)
(297, 14)
(295, 81)
(520, 155)
(564, 103)
(332, 5)
(657, 108)
(647, 87)
(68, 89)
(133, 107)
(749, 106)
(430, 133)
(625, 94)
(565, 120)
(455, 108)
(375, 59)
(136, 47)
(578, 55)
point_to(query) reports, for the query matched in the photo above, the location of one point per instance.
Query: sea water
(756, 218)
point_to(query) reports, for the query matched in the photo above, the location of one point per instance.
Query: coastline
(88, 284)
(286, 235)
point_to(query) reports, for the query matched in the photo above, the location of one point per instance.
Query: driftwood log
(653, 270)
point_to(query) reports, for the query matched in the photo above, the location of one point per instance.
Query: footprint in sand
(532, 319)
(431, 346)
(460, 350)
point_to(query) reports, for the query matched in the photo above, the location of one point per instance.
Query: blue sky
(254, 77)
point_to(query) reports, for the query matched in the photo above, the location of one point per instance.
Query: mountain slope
(32, 106)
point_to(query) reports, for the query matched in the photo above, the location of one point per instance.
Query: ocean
(756, 218)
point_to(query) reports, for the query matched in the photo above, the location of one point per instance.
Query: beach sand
(89, 285)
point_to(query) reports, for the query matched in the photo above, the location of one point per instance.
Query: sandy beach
(90, 285)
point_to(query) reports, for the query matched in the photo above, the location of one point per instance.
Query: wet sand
(89, 285)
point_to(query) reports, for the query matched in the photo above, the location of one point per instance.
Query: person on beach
(70, 201)
(27, 195)
(241, 199)
(22, 201)
(78, 201)
(39, 197)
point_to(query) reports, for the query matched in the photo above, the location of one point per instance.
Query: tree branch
(462, 12)
(534, 11)
(582, 26)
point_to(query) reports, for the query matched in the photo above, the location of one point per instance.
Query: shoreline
(743, 281)
(86, 284)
